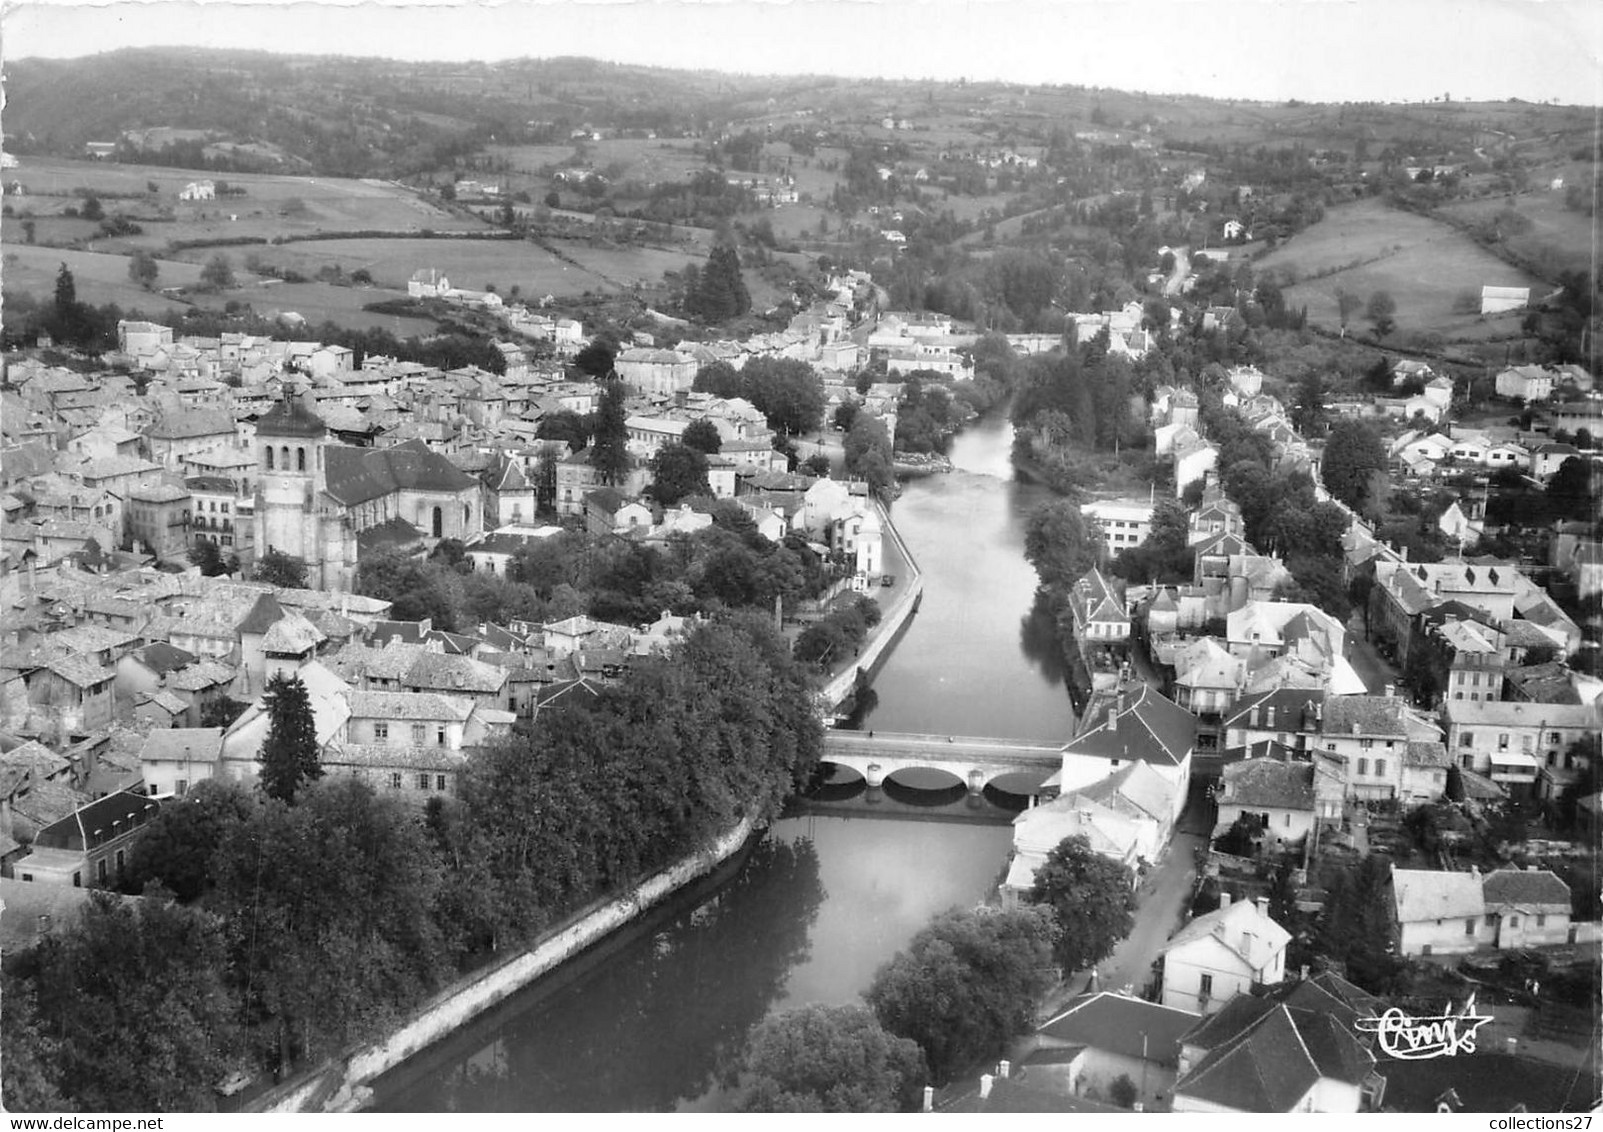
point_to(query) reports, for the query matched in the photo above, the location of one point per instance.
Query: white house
(1285, 798)
(1224, 953)
(175, 758)
(1439, 913)
(1525, 383)
(428, 283)
(1495, 300)
(1528, 908)
(1125, 522)
(198, 190)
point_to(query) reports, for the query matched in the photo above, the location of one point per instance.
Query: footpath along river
(648, 1021)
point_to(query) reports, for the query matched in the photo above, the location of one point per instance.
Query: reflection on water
(657, 1021)
(651, 1024)
(961, 668)
(1038, 640)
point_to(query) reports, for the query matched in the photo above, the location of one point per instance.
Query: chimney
(1269, 716)
(929, 1099)
(1113, 717)
(986, 1080)
(1224, 900)
(1004, 1069)
(1263, 905)
(1391, 690)
(1303, 973)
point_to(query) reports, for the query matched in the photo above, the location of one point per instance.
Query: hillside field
(1427, 266)
(1558, 237)
(471, 264)
(272, 206)
(99, 278)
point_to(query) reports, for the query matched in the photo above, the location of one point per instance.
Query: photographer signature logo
(1408, 1038)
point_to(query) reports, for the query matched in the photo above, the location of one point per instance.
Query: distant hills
(253, 111)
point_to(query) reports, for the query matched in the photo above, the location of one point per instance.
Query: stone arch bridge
(975, 761)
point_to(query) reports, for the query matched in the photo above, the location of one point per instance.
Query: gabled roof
(291, 635)
(1265, 1068)
(183, 744)
(357, 475)
(1295, 709)
(409, 706)
(1243, 930)
(1137, 790)
(1145, 726)
(1421, 895)
(1116, 1023)
(1270, 784)
(1529, 887)
(1366, 716)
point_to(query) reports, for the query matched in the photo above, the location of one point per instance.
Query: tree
(32, 1081)
(1059, 542)
(1380, 311)
(1573, 491)
(677, 471)
(721, 292)
(330, 909)
(702, 435)
(1347, 304)
(609, 453)
(218, 274)
(827, 1059)
(868, 454)
(1353, 454)
(221, 711)
(417, 590)
(92, 209)
(597, 358)
(135, 995)
(290, 755)
(816, 465)
(1308, 415)
(1092, 899)
(846, 415)
(176, 849)
(143, 269)
(279, 569)
(720, 379)
(786, 391)
(966, 984)
(566, 426)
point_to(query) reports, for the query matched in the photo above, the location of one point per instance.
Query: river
(652, 1019)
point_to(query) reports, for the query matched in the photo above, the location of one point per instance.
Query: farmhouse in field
(428, 283)
(199, 190)
(1495, 300)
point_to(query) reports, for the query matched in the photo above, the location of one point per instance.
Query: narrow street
(1161, 901)
(1372, 668)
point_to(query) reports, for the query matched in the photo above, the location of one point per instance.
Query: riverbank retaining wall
(841, 686)
(340, 1085)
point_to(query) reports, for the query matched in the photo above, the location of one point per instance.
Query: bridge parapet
(976, 760)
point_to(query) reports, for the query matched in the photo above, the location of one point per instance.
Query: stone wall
(341, 1085)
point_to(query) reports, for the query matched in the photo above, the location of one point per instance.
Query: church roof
(357, 475)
